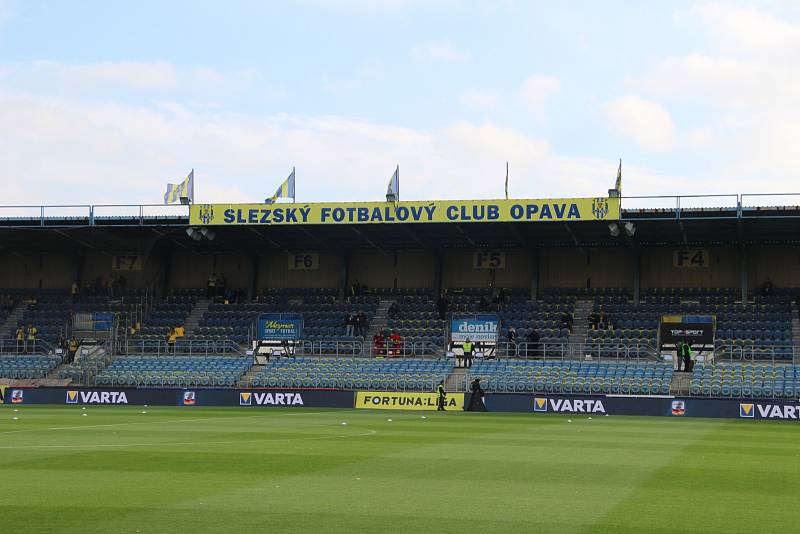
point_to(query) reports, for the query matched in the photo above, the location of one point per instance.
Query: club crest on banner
(600, 207)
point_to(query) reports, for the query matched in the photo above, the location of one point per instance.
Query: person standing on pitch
(476, 401)
(441, 395)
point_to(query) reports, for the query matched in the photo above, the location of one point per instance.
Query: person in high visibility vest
(441, 395)
(468, 347)
(171, 337)
(686, 354)
(20, 339)
(73, 349)
(31, 340)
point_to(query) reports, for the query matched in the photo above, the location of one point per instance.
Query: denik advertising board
(476, 328)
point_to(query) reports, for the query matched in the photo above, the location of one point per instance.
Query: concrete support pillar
(255, 264)
(743, 272)
(637, 281)
(344, 274)
(438, 266)
(534, 274)
(165, 275)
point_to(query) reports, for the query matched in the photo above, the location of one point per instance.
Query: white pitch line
(370, 432)
(154, 422)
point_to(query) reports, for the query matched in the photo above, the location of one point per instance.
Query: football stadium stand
(26, 366)
(341, 373)
(633, 266)
(749, 380)
(546, 376)
(173, 371)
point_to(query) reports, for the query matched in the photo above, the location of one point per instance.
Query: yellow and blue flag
(286, 190)
(618, 185)
(185, 189)
(393, 191)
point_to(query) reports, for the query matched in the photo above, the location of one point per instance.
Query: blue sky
(104, 102)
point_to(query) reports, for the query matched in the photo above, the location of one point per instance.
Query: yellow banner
(439, 211)
(393, 400)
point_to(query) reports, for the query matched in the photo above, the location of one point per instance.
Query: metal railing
(360, 349)
(503, 350)
(181, 347)
(573, 351)
(733, 205)
(724, 206)
(36, 347)
(755, 353)
(93, 215)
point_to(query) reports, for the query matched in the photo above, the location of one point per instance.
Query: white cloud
(645, 121)
(114, 77)
(739, 97)
(69, 150)
(479, 98)
(536, 91)
(441, 51)
(746, 31)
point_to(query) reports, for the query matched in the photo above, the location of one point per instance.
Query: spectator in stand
(379, 344)
(122, 284)
(211, 286)
(767, 289)
(349, 324)
(222, 284)
(441, 306)
(20, 337)
(566, 320)
(75, 291)
(171, 337)
(512, 340)
(72, 349)
(355, 290)
(361, 324)
(396, 342)
(602, 322)
(512, 334)
(532, 340)
(31, 338)
(180, 331)
(393, 311)
(483, 305)
(594, 320)
(502, 298)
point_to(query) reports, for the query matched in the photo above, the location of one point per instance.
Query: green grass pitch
(240, 470)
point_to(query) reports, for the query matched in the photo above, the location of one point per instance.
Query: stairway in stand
(580, 321)
(9, 328)
(378, 322)
(457, 380)
(193, 321)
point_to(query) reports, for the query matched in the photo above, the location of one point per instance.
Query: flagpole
(506, 180)
(294, 197)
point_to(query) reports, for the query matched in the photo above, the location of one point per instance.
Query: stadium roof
(159, 227)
